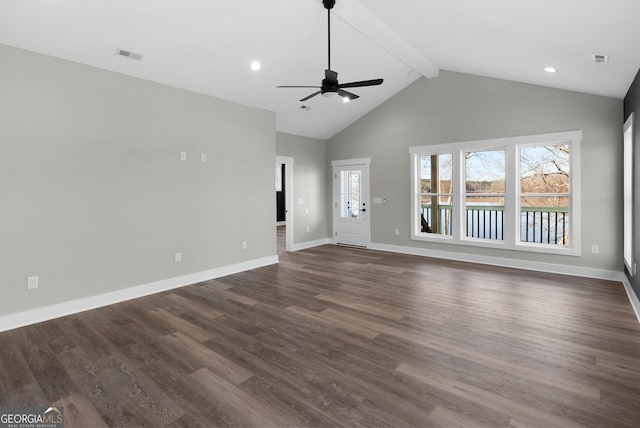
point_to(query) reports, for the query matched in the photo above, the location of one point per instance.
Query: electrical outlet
(397, 232)
(178, 257)
(183, 156)
(595, 249)
(308, 229)
(244, 245)
(32, 282)
(203, 157)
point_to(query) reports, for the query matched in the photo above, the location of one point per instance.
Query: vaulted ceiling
(207, 46)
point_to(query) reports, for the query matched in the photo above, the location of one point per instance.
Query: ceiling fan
(330, 83)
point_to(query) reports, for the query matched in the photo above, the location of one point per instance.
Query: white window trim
(511, 146)
(628, 131)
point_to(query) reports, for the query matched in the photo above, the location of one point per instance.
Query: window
(544, 194)
(484, 193)
(436, 194)
(516, 193)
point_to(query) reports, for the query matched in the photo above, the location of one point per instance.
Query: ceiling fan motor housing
(330, 82)
(328, 4)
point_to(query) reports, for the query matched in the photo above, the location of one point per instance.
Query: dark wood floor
(337, 336)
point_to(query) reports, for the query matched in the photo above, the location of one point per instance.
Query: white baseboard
(498, 261)
(311, 244)
(633, 298)
(33, 316)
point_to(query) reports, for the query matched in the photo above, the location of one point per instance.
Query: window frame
(437, 194)
(628, 132)
(511, 214)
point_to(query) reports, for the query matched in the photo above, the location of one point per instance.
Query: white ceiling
(206, 46)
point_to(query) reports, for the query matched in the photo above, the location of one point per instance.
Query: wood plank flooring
(335, 336)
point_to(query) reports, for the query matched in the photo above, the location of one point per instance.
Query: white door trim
(347, 162)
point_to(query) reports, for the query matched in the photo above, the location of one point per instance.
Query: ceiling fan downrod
(328, 4)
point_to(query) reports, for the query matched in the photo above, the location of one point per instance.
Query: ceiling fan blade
(373, 82)
(331, 77)
(310, 96)
(349, 95)
(297, 86)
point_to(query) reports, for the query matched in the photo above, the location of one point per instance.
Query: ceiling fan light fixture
(346, 99)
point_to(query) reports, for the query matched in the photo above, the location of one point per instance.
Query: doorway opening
(284, 204)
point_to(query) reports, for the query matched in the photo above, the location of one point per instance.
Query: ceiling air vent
(129, 54)
(600, 58)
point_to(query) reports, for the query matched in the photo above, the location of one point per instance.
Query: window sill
(498, 245)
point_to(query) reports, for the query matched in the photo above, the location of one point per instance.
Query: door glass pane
(350, 194)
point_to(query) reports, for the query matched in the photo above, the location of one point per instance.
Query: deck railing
(546, 225)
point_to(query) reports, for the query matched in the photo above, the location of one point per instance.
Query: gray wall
(310, 177)
(632, 104)
(459, 107)
(93, 195)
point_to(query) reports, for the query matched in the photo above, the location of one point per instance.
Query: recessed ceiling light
(255, 66)
(550, 69)
(345, 99)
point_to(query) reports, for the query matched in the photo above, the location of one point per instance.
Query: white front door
(351, 203)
